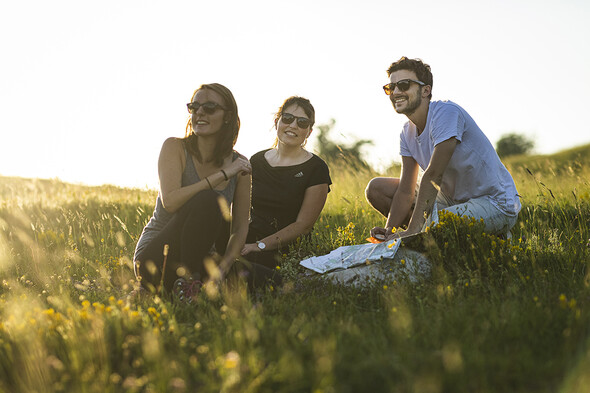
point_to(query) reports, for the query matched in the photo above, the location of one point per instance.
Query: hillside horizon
(579, 156)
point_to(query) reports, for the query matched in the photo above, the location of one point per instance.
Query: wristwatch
(261, 245)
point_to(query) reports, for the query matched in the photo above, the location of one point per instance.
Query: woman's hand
(248, 248)
(239, 165)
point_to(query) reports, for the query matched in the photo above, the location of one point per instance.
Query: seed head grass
(493, 315)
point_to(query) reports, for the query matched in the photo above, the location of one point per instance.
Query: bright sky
(90, 90)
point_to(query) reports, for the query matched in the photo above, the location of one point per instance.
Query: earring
(226, 122)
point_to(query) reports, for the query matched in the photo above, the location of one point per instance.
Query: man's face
(405, 102)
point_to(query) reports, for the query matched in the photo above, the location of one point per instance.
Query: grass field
(493, 316)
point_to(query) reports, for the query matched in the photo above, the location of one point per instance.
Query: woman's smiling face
(291, 134)
(203, 123)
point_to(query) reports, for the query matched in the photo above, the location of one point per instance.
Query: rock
(415, 265)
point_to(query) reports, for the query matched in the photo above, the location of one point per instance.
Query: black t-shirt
(277, 192)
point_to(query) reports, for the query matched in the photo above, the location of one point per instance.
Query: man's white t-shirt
(475, 170)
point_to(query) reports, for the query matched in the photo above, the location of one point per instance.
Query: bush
(513, 144)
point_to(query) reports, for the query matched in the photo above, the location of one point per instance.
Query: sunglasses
(302, 122)
(403, 85)
(209, 107)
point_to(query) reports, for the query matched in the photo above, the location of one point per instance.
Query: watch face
(261, 245)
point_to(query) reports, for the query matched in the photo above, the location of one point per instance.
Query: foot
(186, 290)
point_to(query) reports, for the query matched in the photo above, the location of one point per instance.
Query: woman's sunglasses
(403, 85)
(302, 122)
(209, 107)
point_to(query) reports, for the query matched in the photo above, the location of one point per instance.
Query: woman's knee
(204, 197)
(205, 201)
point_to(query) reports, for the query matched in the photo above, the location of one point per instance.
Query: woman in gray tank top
(201, 177)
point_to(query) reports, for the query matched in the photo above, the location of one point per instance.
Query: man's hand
(402, 234)
(386, 234)
(396, 235)
(380, 233)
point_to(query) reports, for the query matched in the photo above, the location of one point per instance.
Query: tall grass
(493, 315)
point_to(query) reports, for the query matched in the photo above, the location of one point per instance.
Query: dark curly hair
(421, 69)
(227, 136)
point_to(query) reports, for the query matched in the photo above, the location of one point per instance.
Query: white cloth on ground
(349, 256)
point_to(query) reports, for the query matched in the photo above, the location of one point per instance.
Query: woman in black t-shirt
(289, 185)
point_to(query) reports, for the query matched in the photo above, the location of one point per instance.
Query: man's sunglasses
(403, 85)
(302, 122)
(209, 107)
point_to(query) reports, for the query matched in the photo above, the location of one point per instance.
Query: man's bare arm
(401, 201)
(404, 196)
(432, 176)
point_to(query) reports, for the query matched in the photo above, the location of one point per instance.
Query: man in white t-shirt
(462, 171)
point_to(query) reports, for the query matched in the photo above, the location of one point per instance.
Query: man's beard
(411, 104)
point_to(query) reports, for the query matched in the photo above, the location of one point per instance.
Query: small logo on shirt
(299, 174)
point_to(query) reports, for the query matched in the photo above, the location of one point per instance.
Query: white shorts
(496, 221)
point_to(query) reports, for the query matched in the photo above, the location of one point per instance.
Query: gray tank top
(161, 217)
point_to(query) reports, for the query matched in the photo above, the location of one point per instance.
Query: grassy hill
(491, 316)
(564, 174)
(573, 160)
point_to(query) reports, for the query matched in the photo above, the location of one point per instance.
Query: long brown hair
(227, 136)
